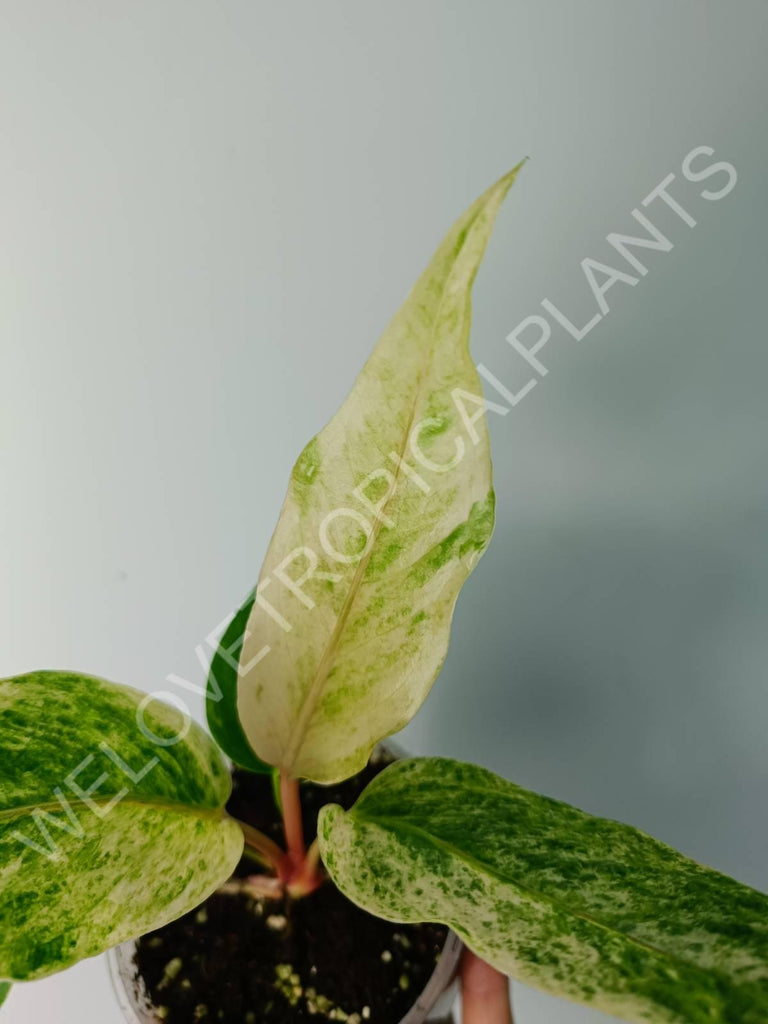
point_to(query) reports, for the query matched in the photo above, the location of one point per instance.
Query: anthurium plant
(112, 803)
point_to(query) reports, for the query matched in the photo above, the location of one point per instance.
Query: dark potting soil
(242, 960)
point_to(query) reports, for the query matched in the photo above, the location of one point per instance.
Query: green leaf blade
(107, 830)
(348, 656)
(221, 693)
(582, 907)
(5, 988)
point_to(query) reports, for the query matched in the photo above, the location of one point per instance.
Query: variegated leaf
(387, 512)
(112, 819)
(579, 906)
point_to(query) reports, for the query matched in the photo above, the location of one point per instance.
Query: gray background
(208, 213)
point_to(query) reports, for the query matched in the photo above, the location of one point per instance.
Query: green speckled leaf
(5, 988)
(387, 512)
(107, 830)
(582, 907)
(221, 693)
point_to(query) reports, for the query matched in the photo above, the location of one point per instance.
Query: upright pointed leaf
(579, 906)
(5, 988)
(111, 819)
(387, 512)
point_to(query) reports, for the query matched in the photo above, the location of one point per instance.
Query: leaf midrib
(171, 806)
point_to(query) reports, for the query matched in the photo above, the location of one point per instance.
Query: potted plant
(117, 813)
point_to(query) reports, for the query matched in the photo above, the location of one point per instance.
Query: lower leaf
(112, 819)
(583, 907)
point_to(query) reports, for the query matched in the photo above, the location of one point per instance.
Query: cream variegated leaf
(112, 819)
(387, 512)
(582, 907)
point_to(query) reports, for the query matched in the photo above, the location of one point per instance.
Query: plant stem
(264, 850)
(305, 875)
(296, 871)
(309, 877)
(294, 830)
(313, 856)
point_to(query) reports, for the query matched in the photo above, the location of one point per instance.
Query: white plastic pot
(434, 1004)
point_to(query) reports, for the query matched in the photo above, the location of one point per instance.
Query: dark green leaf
(221, 693)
